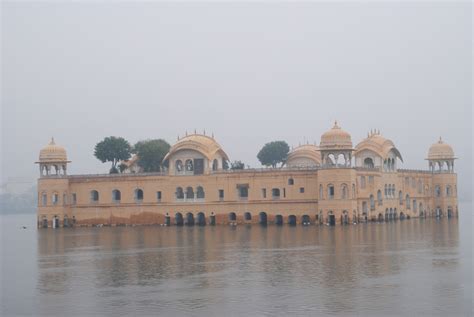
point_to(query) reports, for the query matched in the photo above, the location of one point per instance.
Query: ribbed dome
(440, 151)
(304, 153)
(336, 138)
(375, 142)
(206, 145)
(53, 153)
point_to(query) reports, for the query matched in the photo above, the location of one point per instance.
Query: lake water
(410, 267)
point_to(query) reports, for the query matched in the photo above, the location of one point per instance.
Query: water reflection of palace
(330, 183)
(219, 258)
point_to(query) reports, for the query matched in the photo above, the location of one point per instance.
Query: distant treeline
(24, 203)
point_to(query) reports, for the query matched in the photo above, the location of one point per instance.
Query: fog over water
(249, 72)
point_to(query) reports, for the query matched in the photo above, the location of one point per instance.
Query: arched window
(414, 205)
(179, 193)
(200, 192)
(215, 165)
(44, 199)
(138, 194)
(116, 195)
(321, 192)
(437, 191)
(55, 199)
(248, 216)
(362, 182)
(189, 193)
(369, 163)
(189, 166)
(353, 191)
(372, 202)
(364, 206)
(331, 191)
(94, 196)
(343, 191)
(448, 191)
(407, 201)
(393, 190)
(232, 216)
(291, 181)
(379, 197)
(400, 197)
(179, 166)
(386, 191)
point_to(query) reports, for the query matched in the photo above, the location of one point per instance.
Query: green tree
(273, 153)
(151, 154)
(237, 165)
(112, 149)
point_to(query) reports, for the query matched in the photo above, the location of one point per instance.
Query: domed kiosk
(53, 160)
(336, 148)
(195, 154)
(307, 155)
(376, 151)
(441, 155)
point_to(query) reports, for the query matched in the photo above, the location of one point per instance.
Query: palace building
(333, 183)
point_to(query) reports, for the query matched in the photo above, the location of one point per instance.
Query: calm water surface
(411, 267)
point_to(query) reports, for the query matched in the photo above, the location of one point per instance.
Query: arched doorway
(44, 222)
(232, 217)
(189, 219)
(55, 222)
(279, 220)
(402, 216)
(450, 212)
(305, 220)
(212, 219)
(201, 219)
(292, 220)
(178, 219)
(380, 217)
(248, 216)
(331, 219)
(65, 222)
(263, 218)
(345, 217)
(167, 220)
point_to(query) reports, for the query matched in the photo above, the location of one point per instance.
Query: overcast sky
(249, 72)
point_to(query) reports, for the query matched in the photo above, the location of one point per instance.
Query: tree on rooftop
(237, 165)
(273, 153)
(112, 149)
(151, 153)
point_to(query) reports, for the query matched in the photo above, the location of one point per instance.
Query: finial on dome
(440, 140)
(52, 141)
(335, 125)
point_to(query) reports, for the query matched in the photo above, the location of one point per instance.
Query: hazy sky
(249, 72)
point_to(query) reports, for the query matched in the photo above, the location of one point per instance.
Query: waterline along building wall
(332, 183)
